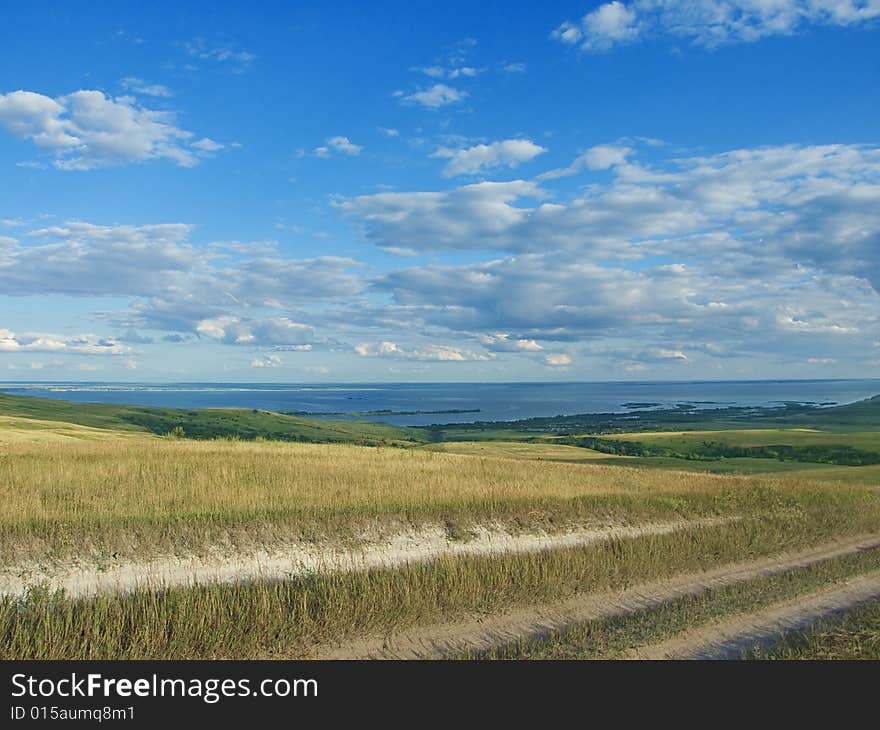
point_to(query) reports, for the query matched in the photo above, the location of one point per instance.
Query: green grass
(206, 423)
(287, 619)
(614, 637)
(552, 450)
(798, 437)
(853, 635)
(741, 466)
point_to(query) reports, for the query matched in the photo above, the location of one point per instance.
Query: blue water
(495, 401)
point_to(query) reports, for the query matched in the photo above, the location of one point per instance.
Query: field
(145, 533)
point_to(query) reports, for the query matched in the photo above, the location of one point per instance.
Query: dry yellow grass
(135, 495)
(17, 430)
(84, 480)
(544, 451)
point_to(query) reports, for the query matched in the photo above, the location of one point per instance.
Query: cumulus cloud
(715, 314)
(176, 286)
(267, 361)
(607, 25)
(479, 214)
(439, 72)
(815, 205)
(342, 145)
(436, 97)
(504, 342)
(62, 344)
(428, 353)
(557, 361)
(600, 157)
(743, 253)
(87, 129)
(278, 332)
(472, 160)
(708, 23)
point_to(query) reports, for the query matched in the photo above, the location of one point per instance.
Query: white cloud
(479, 214)
(344, 145)
(603, 157)
(600, 157)
(467, 71)
(708, 23)
(388, 132)
(439, 95)
(278, 332)
(515, 68)
(557, 361)
(175, 286)
(206, 144)
(814, 205)
(429, 353)
(267, 361)
(439, 72)
(504, 342)
(472, 160)
(607, 25)
(137, 86)
(87, 129)
(75, 344)
(661, 354)
(237, 60)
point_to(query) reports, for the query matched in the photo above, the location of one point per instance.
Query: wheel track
(487, 632)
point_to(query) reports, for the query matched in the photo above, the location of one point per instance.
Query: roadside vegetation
(141, 496)
(623, 636)
(853, 635)
(292, 618)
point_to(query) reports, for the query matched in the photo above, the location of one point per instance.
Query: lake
(454, 402)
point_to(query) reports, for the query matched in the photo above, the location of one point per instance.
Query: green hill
(207, 423)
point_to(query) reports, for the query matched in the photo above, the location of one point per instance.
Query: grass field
(104, 488)
(854, 635)
(618, 637)
(685, 440)
(63, 494)
(206, 423)
(549, 450)
(290, 618)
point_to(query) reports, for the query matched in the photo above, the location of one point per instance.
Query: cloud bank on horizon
(632, 192)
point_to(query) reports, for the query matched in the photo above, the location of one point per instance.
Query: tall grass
(616, 636)
(853, 635)
(286, 619)
(136, 496)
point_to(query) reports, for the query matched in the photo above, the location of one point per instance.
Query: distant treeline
(383, 412)
(838, 454)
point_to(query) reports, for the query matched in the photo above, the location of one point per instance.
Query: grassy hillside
(205, 423)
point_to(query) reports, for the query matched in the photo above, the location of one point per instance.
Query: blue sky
(655, 189)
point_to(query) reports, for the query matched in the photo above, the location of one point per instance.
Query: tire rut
(487, 632)
(729, 638)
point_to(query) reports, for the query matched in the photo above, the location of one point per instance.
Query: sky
(492, 191)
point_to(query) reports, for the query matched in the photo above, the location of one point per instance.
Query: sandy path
(727, 639)
(536, 621)
(289, 560)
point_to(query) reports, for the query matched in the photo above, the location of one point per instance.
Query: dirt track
(536, 621)
(727, 639)
(289, 560)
